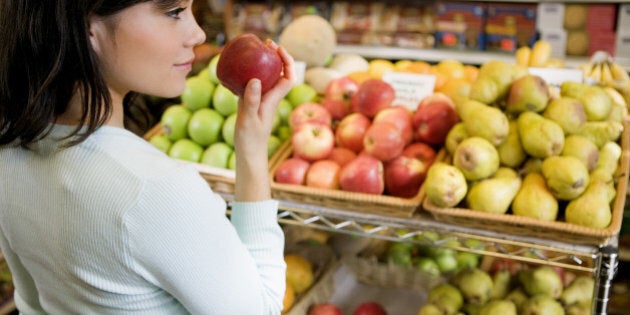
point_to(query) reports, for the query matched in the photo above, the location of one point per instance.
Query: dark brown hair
(44, 56)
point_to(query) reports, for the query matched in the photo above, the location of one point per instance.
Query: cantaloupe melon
(309, 38)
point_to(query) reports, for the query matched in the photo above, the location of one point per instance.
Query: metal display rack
(601, 261)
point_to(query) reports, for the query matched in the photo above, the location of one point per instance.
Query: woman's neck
(72, 116)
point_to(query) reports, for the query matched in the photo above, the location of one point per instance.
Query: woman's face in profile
(147, 49)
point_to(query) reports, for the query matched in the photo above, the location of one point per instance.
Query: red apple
(373, 95)
(342, 155)
(351, 130)
(363, 174)
(434, 118)
(383, 141)
(338, 94)
(323, 174)
(400, 116)
(404, 175)
(312, 141)
(370, 308)
(420, 151)
(246, 57)
(309, 112)
(291, 171)
(325, 309)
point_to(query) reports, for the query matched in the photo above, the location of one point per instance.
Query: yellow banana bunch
(601, 69)
(539, 55)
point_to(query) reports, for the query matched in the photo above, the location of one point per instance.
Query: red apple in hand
(325, 309)
(434, 118)
(309, 112)
(400, 116)
(323, 174)
(370, 308)
(351, 130)
(312, 141)
(421, 151)
(383, 141)
(342, 155)
(404, 176)
(246, 57)
(291, 171)
(337, 96)
(373, 95)
(363, 174)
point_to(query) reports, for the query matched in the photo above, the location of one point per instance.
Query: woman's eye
(175, 12)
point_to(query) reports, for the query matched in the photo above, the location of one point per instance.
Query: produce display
(6, 282)
(525, 149)
(201, 128)
(508, 289)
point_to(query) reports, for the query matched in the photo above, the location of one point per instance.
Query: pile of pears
(526, 148)
(536, 289)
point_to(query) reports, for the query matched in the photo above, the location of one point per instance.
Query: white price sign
(555, 76)
(410, 88)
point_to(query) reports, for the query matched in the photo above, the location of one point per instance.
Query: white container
(549, 15)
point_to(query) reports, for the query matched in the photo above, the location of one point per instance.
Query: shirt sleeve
(180, 239)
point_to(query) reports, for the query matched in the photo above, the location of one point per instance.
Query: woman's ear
(96, 29)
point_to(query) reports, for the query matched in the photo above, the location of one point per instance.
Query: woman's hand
(253, 127)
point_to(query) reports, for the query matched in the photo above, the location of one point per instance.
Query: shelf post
(607, 264)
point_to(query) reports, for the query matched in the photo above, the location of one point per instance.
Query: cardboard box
(549, 15)
(557, 38)
(601, 17)
(623, 17)
(460, 25)
(602, 40)
(510, 25)
(622, 45)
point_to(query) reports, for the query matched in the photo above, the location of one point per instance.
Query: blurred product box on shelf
(509, 26)
(549, 15)
(622, 46)
(295, 9)
(623, 17)
(557, 38)
(575, 16)
(260, 18)
(578, 42)
(602, 40)
(460, 25)
(601, 17)
(352, 19)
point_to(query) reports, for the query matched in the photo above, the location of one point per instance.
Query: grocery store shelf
(435, 55)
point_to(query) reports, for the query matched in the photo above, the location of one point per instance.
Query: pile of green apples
(200, 129)
(439, 260)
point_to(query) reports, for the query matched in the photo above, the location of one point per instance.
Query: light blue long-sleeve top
(114, 226)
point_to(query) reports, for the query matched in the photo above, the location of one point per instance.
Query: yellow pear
(540, 137)
(592, 208)
(511, 152)
(566, 176)
(534, 200)
(494, 194)
(484, 121)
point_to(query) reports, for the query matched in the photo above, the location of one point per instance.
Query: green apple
(301, 93)
(228, 129)
(186, 149)
(224, 101)
(205, 126)
(273, 145)
(205, 73)
(212, 69)
(276, 122)
(161, 142)
(284, 132)
(174, 122)
(232, 161)
(197, 93)
(428, 265)
(217, 154)
(284, 110)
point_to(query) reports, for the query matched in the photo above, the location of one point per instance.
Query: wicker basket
(344, 200)
(220, 180)
(554, 230)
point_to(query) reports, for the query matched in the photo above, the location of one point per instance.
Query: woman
(94, 220)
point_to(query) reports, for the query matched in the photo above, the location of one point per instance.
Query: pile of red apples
(358, 139)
